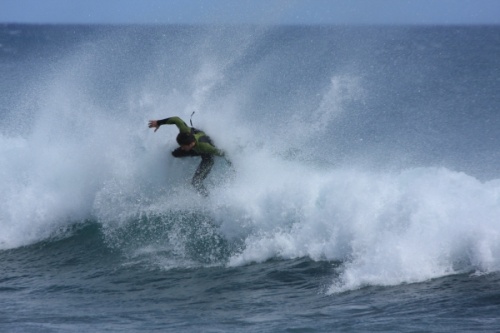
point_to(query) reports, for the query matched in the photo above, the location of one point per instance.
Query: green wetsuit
(203, 148)
(203, 143)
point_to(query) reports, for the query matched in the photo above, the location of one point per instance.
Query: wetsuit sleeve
(181, 125)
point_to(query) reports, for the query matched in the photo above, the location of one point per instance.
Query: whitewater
(372, 154)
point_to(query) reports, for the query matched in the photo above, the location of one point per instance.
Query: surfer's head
(186, 141)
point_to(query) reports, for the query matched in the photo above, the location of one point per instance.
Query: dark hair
(185, 139)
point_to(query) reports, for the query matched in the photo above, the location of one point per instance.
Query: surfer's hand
(154, 124)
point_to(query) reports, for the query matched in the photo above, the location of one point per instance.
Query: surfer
(193, 142)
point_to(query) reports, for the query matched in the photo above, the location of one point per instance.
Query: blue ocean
(363, 196)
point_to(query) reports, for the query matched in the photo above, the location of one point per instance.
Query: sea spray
(333, 159)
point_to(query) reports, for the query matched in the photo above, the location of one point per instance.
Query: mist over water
(376, 149)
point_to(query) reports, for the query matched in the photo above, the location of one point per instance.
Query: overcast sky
(252, 11)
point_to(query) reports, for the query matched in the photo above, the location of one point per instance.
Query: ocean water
(364, 194)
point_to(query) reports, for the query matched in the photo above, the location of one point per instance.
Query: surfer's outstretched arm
(181, 125)
(154, 124)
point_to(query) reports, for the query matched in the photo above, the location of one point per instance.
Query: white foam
(387, 228)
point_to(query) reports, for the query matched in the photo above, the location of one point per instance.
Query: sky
(354, 12)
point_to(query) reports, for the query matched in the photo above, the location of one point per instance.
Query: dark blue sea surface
(363, 196)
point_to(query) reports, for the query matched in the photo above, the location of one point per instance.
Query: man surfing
(192, 142)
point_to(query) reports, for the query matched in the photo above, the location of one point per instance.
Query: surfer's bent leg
(207, 161)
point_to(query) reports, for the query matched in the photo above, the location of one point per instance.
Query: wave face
(373, 147)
